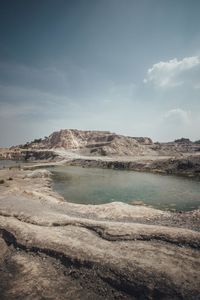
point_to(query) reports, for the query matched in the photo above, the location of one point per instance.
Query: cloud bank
(177, 116)
(175, 72)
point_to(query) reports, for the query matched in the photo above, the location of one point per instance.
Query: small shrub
(2, 181)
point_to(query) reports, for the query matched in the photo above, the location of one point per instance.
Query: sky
(127, 66)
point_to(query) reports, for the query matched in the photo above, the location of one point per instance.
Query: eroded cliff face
(27, 155)
(98, 144)
(92, 143)
(185, 166)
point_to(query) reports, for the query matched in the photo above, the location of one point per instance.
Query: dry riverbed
(52, 249)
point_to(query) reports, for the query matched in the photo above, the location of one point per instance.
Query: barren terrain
(110, 150)
(111, 251)
(53, 249)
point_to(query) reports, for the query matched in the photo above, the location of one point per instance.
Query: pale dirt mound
(105, 143)
(93, 143)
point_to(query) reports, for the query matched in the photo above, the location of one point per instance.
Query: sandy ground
(111, 251)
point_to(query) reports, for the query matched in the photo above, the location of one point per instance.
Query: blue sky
(131, 67)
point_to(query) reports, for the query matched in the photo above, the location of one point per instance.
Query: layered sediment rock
(50, 249)
(92, 142)
(90, 147)
(107, 143)
(29, 154)
(189, 166)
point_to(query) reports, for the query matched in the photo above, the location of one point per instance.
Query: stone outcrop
(178, 147)
(110, 251)
(105, 143)
(17, 153)
(110, 150)
(92, 142)
(189, 166)
(51, 249)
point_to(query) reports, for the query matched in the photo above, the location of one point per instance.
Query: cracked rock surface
(51, 249)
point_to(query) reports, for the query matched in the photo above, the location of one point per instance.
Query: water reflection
(96, 186)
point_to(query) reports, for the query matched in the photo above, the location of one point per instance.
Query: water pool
(97, 186)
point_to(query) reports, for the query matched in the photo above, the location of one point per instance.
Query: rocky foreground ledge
(52, 249)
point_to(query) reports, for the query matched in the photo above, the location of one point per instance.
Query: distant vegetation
(183, 140)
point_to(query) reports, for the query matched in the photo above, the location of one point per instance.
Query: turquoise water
(97, 186)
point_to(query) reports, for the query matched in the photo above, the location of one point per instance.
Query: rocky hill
(178, 147)
(101, 143)
(93, 143)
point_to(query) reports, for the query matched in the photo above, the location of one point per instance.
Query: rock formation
(92, 142)
(51, 249)
(105, 143)
(111, 150)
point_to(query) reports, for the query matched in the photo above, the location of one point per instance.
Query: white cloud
(174, 72)
(177, 116)
(176, 123)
